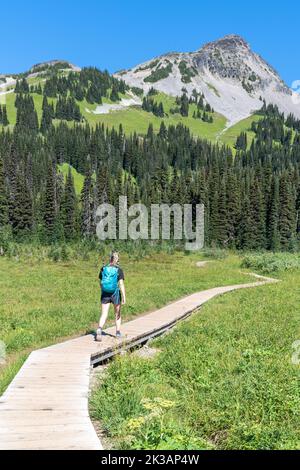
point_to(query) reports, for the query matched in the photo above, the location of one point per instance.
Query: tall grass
(228, 372)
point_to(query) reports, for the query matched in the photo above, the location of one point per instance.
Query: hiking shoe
(99, 334)
(118, 334)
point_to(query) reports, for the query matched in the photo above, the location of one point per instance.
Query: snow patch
(106, 108)
(9, 82)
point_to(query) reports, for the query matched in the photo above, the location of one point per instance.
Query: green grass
(10, 99)
(227, 372)
(223, 379)
(230, 135)
(135, 119)
(78, 177)
(43, 301)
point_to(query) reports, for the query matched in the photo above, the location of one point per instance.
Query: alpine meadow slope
(232, 80)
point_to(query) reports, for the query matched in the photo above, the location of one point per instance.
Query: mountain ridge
(234, 79)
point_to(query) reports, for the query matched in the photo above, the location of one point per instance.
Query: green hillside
(230, 135)
(135, 119)
(10, 99)
(77, 177)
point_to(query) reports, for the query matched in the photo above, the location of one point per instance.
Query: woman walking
(112, 292)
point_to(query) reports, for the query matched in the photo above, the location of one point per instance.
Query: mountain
(38, 70)
(233, 79)
(58, 64)
(231, 83)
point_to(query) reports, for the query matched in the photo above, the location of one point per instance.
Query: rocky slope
(232, 77)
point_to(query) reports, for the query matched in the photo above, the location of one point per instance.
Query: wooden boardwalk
(46, 405)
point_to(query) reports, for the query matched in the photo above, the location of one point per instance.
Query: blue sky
(119, 34)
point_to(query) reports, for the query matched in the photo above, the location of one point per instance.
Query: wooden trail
(46, 405)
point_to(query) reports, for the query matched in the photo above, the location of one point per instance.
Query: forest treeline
(89, 83)
(252, 199)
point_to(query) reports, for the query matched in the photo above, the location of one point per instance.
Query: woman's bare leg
(104, 315)
(118, 317)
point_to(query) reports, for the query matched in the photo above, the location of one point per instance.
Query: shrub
(6, 238)
(159, 74)
(271, 262)
(54, 253)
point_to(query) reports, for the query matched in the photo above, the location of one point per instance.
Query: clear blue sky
(119, 34)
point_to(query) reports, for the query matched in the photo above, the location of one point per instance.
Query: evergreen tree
(287, 214)
(68, 208)
(233, 208)
(27, 118)
(3, 116)
(241, 142)
(3, 197)
(184, 105)
(46, 122)
(22, 217)
(87, 206)
(102, 182)
(273, 217)
(114, 96)
(49, 212)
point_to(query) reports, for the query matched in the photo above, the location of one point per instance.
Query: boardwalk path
(46, 405)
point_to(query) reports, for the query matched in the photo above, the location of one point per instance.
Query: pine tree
(184, 106)
(241, 142)
(49, 212)
(298, 211)
(3, 197)
(46, 121)
(3, 116)
(287, 214)
(233, 208)
(162, 131)
(160, 110)
(102, 184)
(22, 217)
(87, 206)
(114, 96)
(68, 207)
(273, 218)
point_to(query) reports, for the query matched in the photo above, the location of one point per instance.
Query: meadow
(51, 294)
(135, 119)
(224, 379)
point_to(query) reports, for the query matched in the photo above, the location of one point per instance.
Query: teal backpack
(109, 282)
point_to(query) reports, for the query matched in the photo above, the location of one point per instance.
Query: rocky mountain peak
(230, 42)
(234, 79)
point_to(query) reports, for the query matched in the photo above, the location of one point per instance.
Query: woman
(112, 292)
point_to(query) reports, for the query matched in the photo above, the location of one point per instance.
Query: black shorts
(107, 298)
